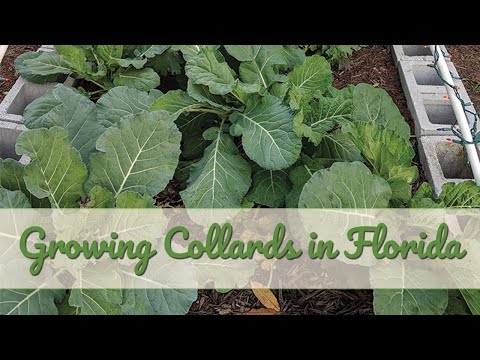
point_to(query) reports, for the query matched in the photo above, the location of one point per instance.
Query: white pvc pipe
(459, 114)
(3, 50)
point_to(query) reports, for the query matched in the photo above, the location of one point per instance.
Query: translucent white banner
(240, 248)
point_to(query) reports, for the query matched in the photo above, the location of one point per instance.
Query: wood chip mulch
(466, 59)
(7, 70)
(292, 302)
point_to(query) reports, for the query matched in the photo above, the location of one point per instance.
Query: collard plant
(104, 155)
(258, 121)
(337, 55)
(463, 195)
(104, 66)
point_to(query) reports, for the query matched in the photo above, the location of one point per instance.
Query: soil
(7, 70)
(467, 62)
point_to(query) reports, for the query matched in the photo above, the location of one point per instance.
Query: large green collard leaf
(47, 63)
(56, 170)
(269, 187)
(188, 51)
(13, 199)
(109, 52)
(11, 178)
(424, 198)
(150, 51)
(390, 156)
(464, 194)
(158, 301)
(208, 68)
(25, 71)
(30, 302)
(203, 95)
(456, 304)
(100, 198)
(192, 127)
(267, 132)
(374, 105)
(345, 185)
(96, 301)
(337, 147)
(122, 101)
(67, 108)
(293, 55)
(472, 298)
(11, 175)
(338, 54)
(258, 63)
(405, 301)
(298, 99)
(133, 200)
(127, 63)
(299, 176)
(144, 79)
(182, 173)
(321, 116)
(314, 76)
(139, 153)
(112, 56)
(170, 62)
(176, 102)
(279, 90)
(409, 301)
(221, 178)
(75, 58)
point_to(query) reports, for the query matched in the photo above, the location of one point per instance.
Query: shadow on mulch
(7, 70)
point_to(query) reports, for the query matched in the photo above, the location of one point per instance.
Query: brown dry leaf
(265, 296)
(262, 311)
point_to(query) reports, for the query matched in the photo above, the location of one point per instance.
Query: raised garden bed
(213, 104)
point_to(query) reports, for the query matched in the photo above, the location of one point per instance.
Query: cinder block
(46, 48)
(443, 161)
(23, 92)
(425, 94)
(431, 112)
(418, 75)
(9, 133)
(414, 53)
(20, 95)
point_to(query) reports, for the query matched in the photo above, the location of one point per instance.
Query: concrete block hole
(416, 50)
(9, 133)
(453, 161)
(440, 114)
(425, 75)
(28, 93)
